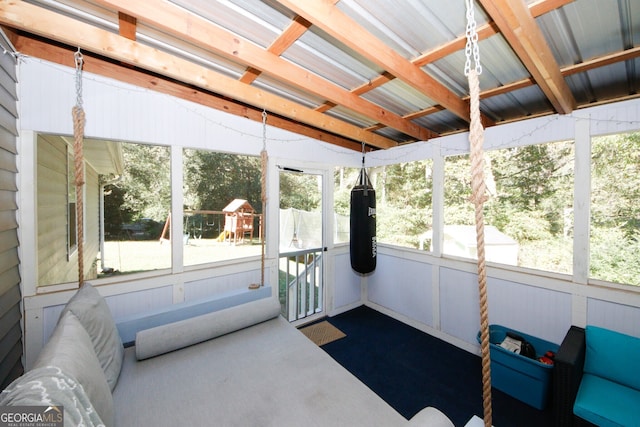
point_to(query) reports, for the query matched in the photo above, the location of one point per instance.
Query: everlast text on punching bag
(363, 225)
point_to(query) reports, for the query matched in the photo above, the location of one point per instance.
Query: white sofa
(241, 366)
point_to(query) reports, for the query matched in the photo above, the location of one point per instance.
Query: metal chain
(471, 48)
(79, 62)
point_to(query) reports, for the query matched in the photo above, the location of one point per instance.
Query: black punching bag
(363, 225)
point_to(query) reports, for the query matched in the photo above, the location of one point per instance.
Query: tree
(300, 191)
(144, 190)
(615, 212)
(536, 180)
(212, 179)
(616, 182)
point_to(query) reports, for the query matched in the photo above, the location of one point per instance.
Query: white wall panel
(604, 119)
(615, 316)
(50, 316)
(49, 96)
(536, 311)
(203, 288)
(613, 118)
(132, 303)
(119, 111)
(403, 153)
(459, 309)
(346, 283)
(121, 306)
(403, 286)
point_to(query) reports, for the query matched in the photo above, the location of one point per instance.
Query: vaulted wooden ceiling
(348, 72)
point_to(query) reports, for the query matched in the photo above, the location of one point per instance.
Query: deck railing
(301, 283)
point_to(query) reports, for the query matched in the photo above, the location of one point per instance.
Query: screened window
(403, 201)
(343, 181)
(136, 211)
(615, 211)
(222, 216)
(126, 198)
(529, 213)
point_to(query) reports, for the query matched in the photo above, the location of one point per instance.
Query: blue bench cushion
(606, 403)
(613, 355)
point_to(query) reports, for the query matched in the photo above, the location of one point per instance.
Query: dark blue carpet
(410, 370)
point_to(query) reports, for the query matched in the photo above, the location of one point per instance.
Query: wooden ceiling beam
(297, 28)
(585, 66)
(203, 33)
(601, 61)
(51, 25)
(326, 16)
(362, 89)
(58, 54)
(293, 32)
(127, 26)
(484, 31)
(520, 30)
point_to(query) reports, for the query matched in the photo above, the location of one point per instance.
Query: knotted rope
(478, 197)
(78, 135)
(476, 139)
(263, 186)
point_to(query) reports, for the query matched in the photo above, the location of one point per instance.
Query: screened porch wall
(430, 292)
(122, 112)
(441, 297)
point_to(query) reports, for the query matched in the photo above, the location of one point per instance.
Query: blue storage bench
(524, 378)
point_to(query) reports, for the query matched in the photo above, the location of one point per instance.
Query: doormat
(322, 333)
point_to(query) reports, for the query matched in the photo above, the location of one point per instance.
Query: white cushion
(430, 416)
(70, 349)
(173, 336)
(93, 313)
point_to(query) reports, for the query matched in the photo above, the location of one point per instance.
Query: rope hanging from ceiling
(263, 190)
(476, 139)
(78, 156)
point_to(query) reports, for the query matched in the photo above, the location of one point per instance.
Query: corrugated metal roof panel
(316, 52)
(398, 97)
(619, 79)
(527, 101)
(586, 29)
(255, 21)
(394, 135)
(162, 41)
(576, 32)
(442, 122)
(85, 12)
(411, 27)
(499, 66)
(272, 85)
(350, 116)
